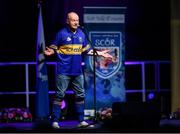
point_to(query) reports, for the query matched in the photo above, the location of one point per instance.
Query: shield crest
(105, 67)
(107, 40)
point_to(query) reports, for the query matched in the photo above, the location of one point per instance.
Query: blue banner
(106, 31)
(42, 96)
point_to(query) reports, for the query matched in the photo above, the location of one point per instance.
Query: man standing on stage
(69, 46)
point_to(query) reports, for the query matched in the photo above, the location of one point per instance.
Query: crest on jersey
(80, 39)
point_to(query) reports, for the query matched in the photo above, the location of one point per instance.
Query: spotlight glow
(63, 104)
(151, 96)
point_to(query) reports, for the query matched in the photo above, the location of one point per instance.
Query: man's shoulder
(80, 32)
(62, 30)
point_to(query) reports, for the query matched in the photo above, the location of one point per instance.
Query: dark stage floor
(44, 126)
(69, 126)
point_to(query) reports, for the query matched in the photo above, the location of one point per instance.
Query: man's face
(73, 21)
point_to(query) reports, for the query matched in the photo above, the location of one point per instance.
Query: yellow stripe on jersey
(86, 48)
(72, 49)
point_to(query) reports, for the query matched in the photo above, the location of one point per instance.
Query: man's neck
(73, 30)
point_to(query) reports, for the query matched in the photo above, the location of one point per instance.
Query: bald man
(69, 45)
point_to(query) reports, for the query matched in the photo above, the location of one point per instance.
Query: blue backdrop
(105, 27)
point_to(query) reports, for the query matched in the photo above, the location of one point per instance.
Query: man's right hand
(48, 51)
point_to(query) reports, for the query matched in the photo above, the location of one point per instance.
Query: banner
(106, 30)
(42, 96)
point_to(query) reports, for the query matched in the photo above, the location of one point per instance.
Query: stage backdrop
(105, 28)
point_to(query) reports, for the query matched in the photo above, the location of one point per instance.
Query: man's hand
(48, 51)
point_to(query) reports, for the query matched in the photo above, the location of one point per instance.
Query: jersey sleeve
(56, 41)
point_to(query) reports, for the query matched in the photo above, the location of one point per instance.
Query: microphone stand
(94, 72)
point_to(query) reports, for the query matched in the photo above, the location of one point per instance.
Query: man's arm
(50, 50)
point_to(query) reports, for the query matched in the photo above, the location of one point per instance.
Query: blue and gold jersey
(69, 47)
